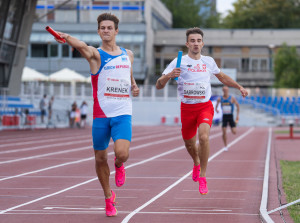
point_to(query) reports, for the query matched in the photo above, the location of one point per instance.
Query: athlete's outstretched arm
(88, 52)
(135, 89)
(226, 80)
(163, 80)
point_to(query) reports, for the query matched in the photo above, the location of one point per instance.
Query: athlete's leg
(224, 135)
(103, 171)
(101, 136)
(233, 130)
(203, 132)
(121, 151)
(193, 149)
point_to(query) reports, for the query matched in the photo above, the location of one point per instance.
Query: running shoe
(110, 205)
(196, 173)
(225, 148)
(203, 186)
(120, 175)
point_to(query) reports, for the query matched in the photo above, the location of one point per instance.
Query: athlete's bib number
(117, 89)
(226, 109)
(194, 91)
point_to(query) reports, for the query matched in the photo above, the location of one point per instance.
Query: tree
(287, 67)
(264, 14)
(188, 13)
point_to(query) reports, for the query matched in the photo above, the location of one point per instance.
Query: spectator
(43, 107)
(73, 114)
(50, 105)
(83, 112)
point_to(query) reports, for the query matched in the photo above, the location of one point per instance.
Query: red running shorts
(192, 115)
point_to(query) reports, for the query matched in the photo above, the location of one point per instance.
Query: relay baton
(178, 61)
(55, 34)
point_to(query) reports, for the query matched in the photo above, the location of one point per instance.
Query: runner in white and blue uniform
(227, 104)
(113, 85)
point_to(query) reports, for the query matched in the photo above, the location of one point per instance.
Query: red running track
(49, 176)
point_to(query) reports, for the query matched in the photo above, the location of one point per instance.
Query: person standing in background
(43, 106)
(227, 103)
(83, 113)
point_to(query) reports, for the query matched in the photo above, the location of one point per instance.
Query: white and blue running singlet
(227, 106)
(112, 86)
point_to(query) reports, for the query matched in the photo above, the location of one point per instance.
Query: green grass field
(291, 185)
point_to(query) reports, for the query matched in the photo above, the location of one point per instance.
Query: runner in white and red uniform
(197, 110)
(113, 84)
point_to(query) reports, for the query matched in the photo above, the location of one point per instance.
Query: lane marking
(66, 208)
(212, 210)
(58, 211)
(80, 141)
(264, 198)
(90, 158)
(96, 178)
(72, 150)
(91, 180)
(128, 217)
(209, 198)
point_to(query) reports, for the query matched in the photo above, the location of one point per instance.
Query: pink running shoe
(196, 173)
(120, 175)
(110, 205)
(203, 186)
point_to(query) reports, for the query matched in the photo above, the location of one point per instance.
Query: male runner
(227, 104)
(112, 83)
(197, 110)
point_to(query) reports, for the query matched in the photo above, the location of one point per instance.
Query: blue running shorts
(116, 127)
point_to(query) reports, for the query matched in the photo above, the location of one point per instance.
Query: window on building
(39, 50)
(75, 53)
(54, 50)
(230, 63)
(264, 65)
(245, 64)
(255, 65)
(65, 51)
(157, 67)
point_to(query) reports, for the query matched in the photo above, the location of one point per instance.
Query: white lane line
(220, 191)
(208, 198)
(66, 208)
(128, 217)
(81, 141)
(207, 210)
(264, 198)
(90, 158)
(42, 141)
(91, 180)
(96, 212)
(72, 150)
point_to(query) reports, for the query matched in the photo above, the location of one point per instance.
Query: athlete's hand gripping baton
(55, 34)
(178, 62)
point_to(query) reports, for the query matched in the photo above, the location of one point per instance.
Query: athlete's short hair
(194, 30)
(108, 16)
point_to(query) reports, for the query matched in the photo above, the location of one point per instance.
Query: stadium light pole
(271, 52)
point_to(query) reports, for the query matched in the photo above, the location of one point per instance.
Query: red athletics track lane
(234, 180)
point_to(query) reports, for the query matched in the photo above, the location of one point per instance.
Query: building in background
(16, 18)
(249, 51)
(139, 20)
